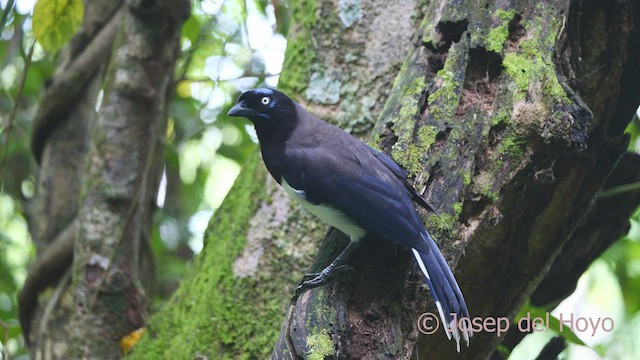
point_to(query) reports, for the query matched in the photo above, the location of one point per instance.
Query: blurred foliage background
(228, 46)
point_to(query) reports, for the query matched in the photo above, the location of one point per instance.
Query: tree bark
(496, 112)
(98, 179)
(489, 118)
(259, 244)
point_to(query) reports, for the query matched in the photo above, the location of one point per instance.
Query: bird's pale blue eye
(265, 100)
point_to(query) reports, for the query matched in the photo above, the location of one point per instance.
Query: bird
(352, 187)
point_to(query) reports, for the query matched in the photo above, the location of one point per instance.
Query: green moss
(442, 225)
(415, 89)
(502, 116)
(491, 194)
(485, 182)
(320, 346)
(529, 47)
(534, 63)
(519, 68)
(498, 36)
(374, 141)
(214, 313)
(457, 208)
(409, 158)
(427, 39)
(411, 155)
(510, 151)
(300, 52)
(552, 87)
(466, 178)
(506, 15)
(513, 147)
(427, 135)
(444, 101)
(407, 152)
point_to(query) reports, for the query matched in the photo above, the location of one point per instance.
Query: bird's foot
(312, 280)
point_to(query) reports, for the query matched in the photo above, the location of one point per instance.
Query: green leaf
(191, 29)
(55, 22)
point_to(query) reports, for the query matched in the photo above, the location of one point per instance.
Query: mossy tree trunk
(98, 179)
(496, 111)
(259, 244)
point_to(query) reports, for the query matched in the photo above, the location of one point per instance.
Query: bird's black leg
(310, 281)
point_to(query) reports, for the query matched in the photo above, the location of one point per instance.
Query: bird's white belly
(329, 215)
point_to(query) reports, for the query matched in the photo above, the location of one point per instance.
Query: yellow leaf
(127, 342)
(55, 22)
(184, 89)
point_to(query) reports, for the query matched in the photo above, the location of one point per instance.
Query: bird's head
(264, 105)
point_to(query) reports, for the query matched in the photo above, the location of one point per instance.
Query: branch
(46, 271)
(66, 87)
(605, 223)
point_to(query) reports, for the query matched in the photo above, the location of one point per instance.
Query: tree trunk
(98, 179)
(259, 244)
(498, 114)
(486, 114)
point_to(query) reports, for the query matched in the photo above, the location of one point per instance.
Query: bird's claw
(309, 276)
(312, 280)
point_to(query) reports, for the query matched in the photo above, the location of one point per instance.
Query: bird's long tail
(445, 291)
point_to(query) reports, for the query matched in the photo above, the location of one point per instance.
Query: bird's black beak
(241, 109)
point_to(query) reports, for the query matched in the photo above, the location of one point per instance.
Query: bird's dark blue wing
(389, 163)
(367, 187)
(380, 208)
(401, 174)
(378, 201)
